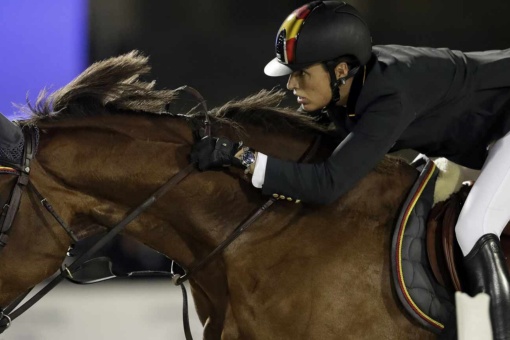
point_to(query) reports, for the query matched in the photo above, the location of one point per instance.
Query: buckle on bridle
(9, 321)
(176, 279)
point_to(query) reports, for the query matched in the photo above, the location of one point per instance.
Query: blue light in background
(43, 44)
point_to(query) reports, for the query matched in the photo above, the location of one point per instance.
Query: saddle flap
(442, 247)
(434, 249)
(425, 300)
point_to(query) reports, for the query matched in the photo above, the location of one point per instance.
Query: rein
(179, 280)
(10, 209)
(10, 313)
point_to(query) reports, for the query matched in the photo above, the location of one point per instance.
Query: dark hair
(350, 60)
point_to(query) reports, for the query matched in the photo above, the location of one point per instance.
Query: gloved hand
(214, 153)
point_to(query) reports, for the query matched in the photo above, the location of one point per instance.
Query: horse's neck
(105, 166)
(112, 164)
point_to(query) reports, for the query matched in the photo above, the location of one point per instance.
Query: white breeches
(487, 208)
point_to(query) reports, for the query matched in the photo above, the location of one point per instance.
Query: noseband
(8, 314)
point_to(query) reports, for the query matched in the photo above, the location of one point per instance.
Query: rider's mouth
(302, 100)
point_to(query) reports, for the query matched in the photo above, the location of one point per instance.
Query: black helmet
(319, 32)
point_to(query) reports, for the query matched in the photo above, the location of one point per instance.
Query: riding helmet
(320, 31)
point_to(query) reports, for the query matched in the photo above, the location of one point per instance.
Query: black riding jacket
(439, 102)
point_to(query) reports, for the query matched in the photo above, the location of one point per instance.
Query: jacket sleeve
(374, 134)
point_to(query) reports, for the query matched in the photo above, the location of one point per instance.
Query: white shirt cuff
(259, 173)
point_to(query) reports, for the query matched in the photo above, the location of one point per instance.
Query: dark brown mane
(108, 86)
(264, 109)
(114, 86)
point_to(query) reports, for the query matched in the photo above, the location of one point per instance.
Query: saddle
(426, 258)
(425, 300)
(444, 253)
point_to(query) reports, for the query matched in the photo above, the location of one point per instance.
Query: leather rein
(8, 214)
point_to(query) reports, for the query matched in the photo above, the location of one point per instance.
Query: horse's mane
(114, 86)
(264, 109)
(105, 87)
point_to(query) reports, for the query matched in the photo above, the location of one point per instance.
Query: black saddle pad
(426, 301)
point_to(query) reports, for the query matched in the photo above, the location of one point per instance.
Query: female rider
(440, 102)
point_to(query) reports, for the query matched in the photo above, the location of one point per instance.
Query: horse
(108, 139)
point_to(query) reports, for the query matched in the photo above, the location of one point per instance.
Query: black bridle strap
(23, 180)
(16, 302)
(201, 100)
(102, 242)
(12, 207)
(308, 154)
(234, 235)
(52, 211)
(179, 280)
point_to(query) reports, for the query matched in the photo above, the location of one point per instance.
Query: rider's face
(311, 87)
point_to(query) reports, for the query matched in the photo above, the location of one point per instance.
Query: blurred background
(220, 47)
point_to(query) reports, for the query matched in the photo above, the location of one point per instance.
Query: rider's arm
(374, 134)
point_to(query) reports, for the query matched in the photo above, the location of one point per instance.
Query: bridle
(8, 214)
(10, 209)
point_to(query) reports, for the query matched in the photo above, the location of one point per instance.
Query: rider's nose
(292, 82)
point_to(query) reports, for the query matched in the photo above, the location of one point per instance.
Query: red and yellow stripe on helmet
(288, 34)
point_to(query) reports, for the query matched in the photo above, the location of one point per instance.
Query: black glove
(213, 153)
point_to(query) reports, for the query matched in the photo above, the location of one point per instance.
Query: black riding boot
(487, 272)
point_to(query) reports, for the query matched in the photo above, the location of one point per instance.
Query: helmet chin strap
(336, 83)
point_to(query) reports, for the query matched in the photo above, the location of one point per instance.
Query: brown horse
(300, 272)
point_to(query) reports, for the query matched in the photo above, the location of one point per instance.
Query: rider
(11, 142)
(440, 102)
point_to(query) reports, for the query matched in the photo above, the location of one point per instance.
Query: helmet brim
(276, 69)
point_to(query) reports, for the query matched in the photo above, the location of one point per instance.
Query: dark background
(220, 47)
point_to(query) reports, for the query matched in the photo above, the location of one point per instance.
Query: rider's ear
(341, 71)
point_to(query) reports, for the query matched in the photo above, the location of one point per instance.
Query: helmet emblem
(289, 32)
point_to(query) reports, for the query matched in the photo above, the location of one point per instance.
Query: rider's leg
(484, 216)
